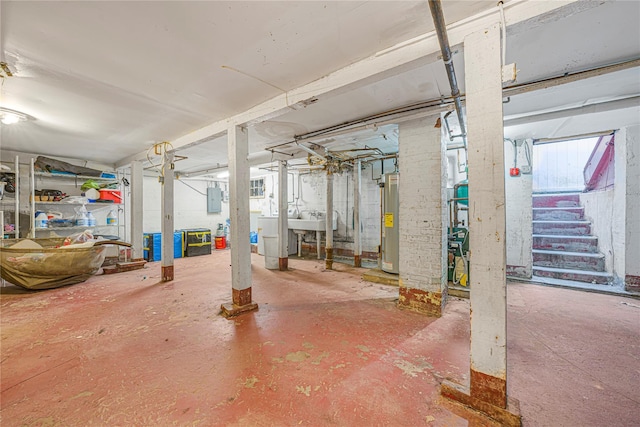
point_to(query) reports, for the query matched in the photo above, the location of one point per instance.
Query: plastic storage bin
(152, 246)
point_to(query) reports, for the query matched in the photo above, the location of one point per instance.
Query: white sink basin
(311, 224)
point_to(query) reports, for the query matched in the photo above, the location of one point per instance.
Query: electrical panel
(214, 200)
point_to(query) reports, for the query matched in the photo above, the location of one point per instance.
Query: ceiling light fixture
(9, 117)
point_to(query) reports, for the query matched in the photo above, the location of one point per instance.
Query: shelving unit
(68, 209)
(7, 205)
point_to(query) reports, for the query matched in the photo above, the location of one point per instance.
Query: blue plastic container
(152, 246)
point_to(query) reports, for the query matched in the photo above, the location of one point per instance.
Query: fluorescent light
(224, 174)
(10, 118)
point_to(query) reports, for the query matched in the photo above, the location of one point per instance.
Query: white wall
(190, 205)
(600, 209)
(607, 210)
(519, 213)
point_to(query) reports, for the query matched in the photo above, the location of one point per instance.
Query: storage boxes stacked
(191, 242)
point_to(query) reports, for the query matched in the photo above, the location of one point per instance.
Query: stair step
(558, 200)
(557, 242)
(558, 214)
(575, 275)
(569, 260)
(565, 228)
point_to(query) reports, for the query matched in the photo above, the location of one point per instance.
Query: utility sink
(311, 224)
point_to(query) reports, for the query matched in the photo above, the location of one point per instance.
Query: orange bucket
(221, 242)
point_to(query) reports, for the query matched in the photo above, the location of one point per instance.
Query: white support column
(167, 218)
(357, 193)
(238, 150)
(328, 248)
(631, 140)
(487, 223)
(16, 216)
(283, 223)
(487, 229)
(422, 218)
(136, 210)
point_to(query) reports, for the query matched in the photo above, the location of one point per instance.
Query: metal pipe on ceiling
(443, 39)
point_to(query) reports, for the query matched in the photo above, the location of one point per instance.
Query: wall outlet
(525, 170)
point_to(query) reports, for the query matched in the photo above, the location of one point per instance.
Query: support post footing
(229, 310)
(167, 273)
(509, 416)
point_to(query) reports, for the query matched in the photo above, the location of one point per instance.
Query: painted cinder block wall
(190, 206)
(614, 212)
(518, 196)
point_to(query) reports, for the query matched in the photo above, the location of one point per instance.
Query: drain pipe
(441, 31)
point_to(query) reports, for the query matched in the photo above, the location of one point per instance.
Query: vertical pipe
(357, 189)
(329, 223)
(167, 218)
(283, 226)
(441, 31)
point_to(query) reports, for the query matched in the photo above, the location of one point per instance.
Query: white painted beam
(400, 58)
(167, 218)
(136, 210)
(487, 224)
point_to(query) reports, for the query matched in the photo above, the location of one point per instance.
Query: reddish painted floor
(324, 349)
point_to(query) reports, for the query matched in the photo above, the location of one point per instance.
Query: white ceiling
(106, 80)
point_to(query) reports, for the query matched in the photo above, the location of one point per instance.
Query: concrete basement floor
(325, 348)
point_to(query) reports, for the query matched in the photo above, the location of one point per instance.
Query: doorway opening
(572, 211)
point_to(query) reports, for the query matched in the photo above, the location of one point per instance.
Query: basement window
(256, 188)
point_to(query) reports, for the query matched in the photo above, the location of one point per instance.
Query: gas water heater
(389, 225)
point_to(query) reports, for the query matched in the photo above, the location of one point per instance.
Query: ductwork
(443, 39)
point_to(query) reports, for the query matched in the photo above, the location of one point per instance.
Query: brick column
(423, 217)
